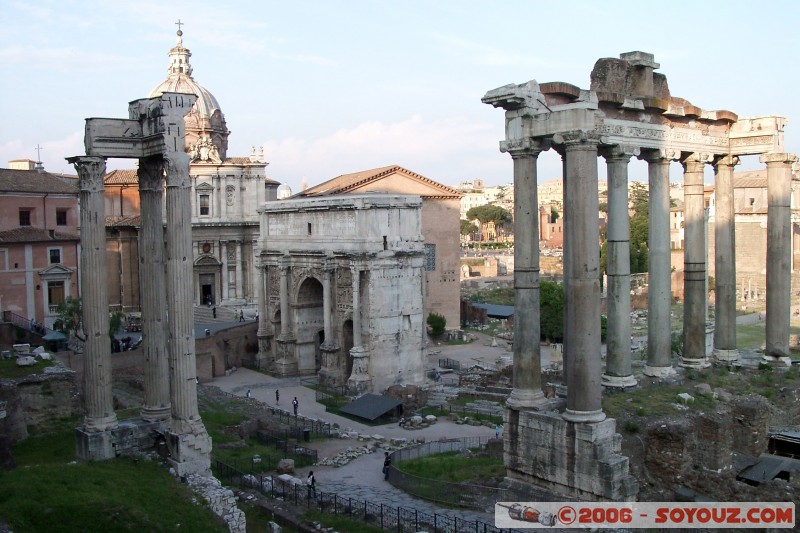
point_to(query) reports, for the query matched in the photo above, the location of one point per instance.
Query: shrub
(437, 323)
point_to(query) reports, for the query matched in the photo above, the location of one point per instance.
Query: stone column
(724, 261)
(239, 276)
(583, 275)
(152, 285)
(694, 263)
(284, 293)
(527, 377)
(618, 331)
(189, 444)
(285, 356)
(659, 294)
(262, 333)
(223, 248)
(779, 228)
(330, 372)
(100, 414)
(359, 381)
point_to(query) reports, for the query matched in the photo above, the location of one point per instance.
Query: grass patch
(454, 468)
(338, 523)
(10, 370)
(653, 401)
(109, 496)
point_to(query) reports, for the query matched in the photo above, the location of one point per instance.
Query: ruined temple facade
(341, 290)
(626, 112)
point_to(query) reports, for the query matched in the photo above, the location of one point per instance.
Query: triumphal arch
(154, 135)
(627, 112)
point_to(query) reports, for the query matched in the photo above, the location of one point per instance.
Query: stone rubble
(220, 499)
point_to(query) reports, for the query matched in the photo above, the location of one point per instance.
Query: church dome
(284, 191)
(205, 123)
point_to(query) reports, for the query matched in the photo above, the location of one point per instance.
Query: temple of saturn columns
(154, 134)
(627, 112)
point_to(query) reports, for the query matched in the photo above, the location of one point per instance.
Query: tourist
(311, 482)
(241, 315)
(214, 311)
(249, 394)
(402, 423)
(387, 462)
(497, 431)
(295, 404)
(277, 396)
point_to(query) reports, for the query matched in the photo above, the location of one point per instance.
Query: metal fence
(385, 517)
(285, 441)
(73, 343)
(317, 427)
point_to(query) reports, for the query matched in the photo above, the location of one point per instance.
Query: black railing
(385, 517)
(73, 343)
(316, 427)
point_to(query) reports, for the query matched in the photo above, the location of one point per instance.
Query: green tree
(639, 226)
(554, 215)
(467, 227)
(69, 319)
(551, 311)
(488, 213)
(437, 323)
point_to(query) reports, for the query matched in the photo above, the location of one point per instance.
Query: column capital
(725, 160)
(657, 155)
(619, 152)
(695, 161)
(151, 174)
(578, 139)
(177, 169)
(91, 170)
(783, 158)
(529, 147)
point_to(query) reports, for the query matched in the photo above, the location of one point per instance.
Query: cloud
(53, 152)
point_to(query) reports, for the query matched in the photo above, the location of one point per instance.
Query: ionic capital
(695, 161)
(91, 170)
(725, 161)
(780, 158)
(579, 139)
(529, 147)
(660, 155)
(619, 152)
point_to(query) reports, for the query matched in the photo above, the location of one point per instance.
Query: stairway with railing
(73, 343)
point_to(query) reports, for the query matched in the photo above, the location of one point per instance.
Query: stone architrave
(779, 227)
(694, 264)
(724, 261)
(618, 332)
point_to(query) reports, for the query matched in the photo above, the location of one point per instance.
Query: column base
(618, 382)
(777, 360)
(190, 452)
(100, 423)
(726, 356)
(128, 436)
(659, 371)
(521, 399)
(94, 445)
(583, 416)
(156, 414)
(694, 363)
(359, 381)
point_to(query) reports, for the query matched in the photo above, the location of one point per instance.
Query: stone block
(21, 348)
(26, 360)
(285, 466)
(93, 445)
(595, 431)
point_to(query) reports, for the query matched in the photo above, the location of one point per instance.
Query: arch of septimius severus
(627, 112)
(154, 134)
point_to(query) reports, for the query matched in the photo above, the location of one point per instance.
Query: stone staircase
(205, 315)
(440, 395)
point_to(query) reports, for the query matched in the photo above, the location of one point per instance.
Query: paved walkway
(361, 479)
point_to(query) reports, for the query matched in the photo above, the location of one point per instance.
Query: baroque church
(226, 192)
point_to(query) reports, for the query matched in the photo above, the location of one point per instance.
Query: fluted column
(583, 275)
(239, 277)
(326, 301)
(659, 294)
(359, 381)
(527, 377)
(724, 261)
(152, 283)
(694, 263)
(224, 258)
(779, 245)
(183, 368)
(261, 300)
(356, 307)
(618, 268)
(100, 414)
(284, 294)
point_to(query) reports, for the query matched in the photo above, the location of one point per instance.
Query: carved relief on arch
(230, 190)
(273, 282)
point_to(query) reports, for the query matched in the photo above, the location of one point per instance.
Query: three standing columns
(779, 235)
(100, 415)
(724, 261)
(694, 264)
(659, 296)
(527, 375)
(618, 332)
(582, 274)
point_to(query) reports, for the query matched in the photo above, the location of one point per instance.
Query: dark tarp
(54, 336)
(497, 311)
(768, 468)
(370, 406)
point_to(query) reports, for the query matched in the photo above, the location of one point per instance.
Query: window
(204, 204)
(430, 257)
(55, 255)
(24, 217)
(55, 292)
(61, 217)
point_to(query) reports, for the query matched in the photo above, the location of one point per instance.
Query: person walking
(295, 404)
(241, 315)
(277, 396)
(214, 311)
(311, 483)
(249, 394)
(387, 462)
(497, 431)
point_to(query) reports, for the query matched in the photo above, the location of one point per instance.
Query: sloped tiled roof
(348, 183)
(30, 181)
(135, 220)
(121, 177)
(31, 234)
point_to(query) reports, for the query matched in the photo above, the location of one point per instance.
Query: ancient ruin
(341, 292)
(627, 112)
(154, 134)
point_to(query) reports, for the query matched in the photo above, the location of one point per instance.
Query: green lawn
(452, 467)
(10, 370)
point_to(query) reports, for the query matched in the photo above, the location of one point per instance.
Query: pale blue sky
(336, 87)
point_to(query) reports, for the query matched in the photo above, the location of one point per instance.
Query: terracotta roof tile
(30, 181)
(347, 183)
(31, 234)
(121, 177)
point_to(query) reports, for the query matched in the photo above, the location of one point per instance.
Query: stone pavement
(361, 479)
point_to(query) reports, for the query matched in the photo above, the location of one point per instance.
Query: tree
(488, 213)
(639, 226)
(437, 323)
(554, 215)
(467, 227)
(551, 311)
(70, 319)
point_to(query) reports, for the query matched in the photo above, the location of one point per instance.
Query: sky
(329, 88)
